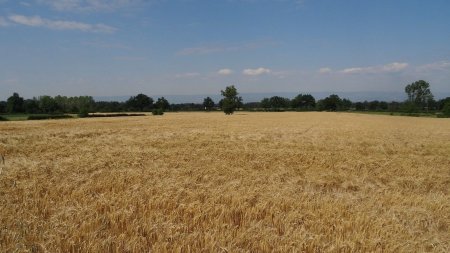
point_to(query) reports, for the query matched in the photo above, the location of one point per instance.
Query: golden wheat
(206, 182)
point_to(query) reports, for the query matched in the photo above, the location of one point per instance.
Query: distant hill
(256, 97)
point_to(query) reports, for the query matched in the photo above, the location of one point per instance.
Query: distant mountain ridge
(256, 97)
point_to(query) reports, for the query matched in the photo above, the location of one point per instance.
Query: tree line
(419, 99)
(80, 105)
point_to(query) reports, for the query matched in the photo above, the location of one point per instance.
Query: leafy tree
(105, 106)
(277, 102)
(301, 101)
(394, 106)
(359, 106)
(383, 106)
(31, 106)
(84, 103)
(346, 104)
(446, 109)
(231, 101)
(373, 105)
(208, 103)
(265, 103)
(419, 93)
(441, 103)
(162, 104)
(239, 102)
(47, 104)
(140, 102)
(252, 105)
(14, 104)
(2, 106)
(187, 107)
(331, 103)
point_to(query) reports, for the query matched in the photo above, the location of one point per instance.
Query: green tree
(208, 103)
(47, 104)
(162, 104)
(278, 103)
(265, 103)
(419, 94)
(31, 106)
(231, 101)
(305, 102)
(346, 104)
(441, 103)
(140, 102)
(85, 103)
(383, 105)
(331, 103)
(3, 106)
(374, 105)
(359, 106)
(15, 103)
(446, 109)
(239, 102)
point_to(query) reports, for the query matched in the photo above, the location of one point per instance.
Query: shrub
(446, 110)
(3, 118)
(115, 115)
(43, 117)
(158, 112)
(83, 113)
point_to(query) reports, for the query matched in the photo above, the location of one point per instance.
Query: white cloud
(394, 67)
(324, 70)
(90, 5)
(225, 72)
(29, 21)
(388, 68)
(256, 72)
(440, 65)
(37, 21)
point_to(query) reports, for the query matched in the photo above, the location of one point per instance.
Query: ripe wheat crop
(206, 182)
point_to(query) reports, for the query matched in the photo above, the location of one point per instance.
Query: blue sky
(185, 47)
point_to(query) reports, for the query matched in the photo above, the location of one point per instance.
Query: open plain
(207, 182)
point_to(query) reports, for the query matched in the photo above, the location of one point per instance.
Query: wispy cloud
(225, 72)
(325, 70)
(440, 65)
(256, 72)
(90, 5)
(208, 49)
(36, 21)
(388, 68)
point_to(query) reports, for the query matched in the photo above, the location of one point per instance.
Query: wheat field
(207, 182)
